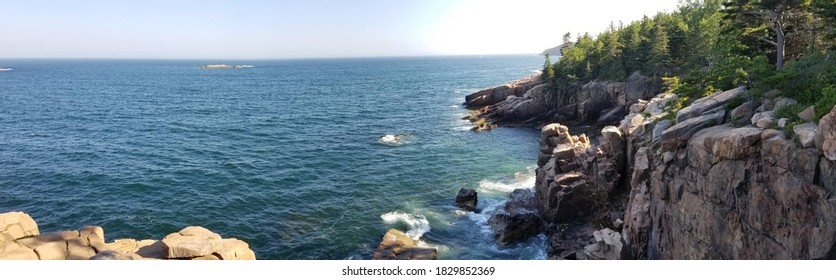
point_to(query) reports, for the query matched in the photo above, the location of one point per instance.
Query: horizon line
(285, 58)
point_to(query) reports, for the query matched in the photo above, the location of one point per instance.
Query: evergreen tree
(632, 58)
(659, 55)
(548, 71)
(826, 11)
(772, 21)
(567, 43)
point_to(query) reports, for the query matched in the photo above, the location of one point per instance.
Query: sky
(252, 29)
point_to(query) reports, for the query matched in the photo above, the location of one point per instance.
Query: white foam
(521, 182)
(392, 139)
(460, 213)
(6, 69)
(418, 224)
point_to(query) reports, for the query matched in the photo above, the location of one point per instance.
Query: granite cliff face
(712, 182)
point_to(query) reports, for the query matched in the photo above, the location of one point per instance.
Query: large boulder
(608, 246)
(18, 225)
(15, 251)
(743, 113)
(189, 243)
(518, 219)
(826, 135)
(678, 135)
(763, 119)
(396, 245)
(806, 134)
(709, 103)
(725, 142)
(20, 240)
(467, 199)
(808, 114)
(198, 242)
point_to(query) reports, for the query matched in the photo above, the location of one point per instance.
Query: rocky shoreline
(20, 239)
(720, 179)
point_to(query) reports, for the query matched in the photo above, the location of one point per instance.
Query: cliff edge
(719, 179)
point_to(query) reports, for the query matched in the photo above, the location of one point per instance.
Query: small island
(224, 66)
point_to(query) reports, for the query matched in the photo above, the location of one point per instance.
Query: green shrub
(790, 112)
(805, 79)
(734, 103)
(826, 102)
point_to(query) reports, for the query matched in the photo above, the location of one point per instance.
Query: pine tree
(659, 53)
(548, 71)
(772, 21)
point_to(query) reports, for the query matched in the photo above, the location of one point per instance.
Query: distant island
(224, 66)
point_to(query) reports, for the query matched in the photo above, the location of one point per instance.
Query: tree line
(711, 45)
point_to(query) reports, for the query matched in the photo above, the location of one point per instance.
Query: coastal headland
(716, 180)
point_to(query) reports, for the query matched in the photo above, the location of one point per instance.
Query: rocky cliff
(20, 239)
(718, 180)
(595, 103)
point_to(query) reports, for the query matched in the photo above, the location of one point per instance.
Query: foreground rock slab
(20, 240)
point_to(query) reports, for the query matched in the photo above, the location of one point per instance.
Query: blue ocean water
(285, 156)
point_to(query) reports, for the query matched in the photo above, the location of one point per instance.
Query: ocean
(290, 155)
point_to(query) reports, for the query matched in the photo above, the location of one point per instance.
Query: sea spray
(522, 182)
(418, 224)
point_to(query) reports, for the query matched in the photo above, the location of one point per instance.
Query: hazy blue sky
(300, 28)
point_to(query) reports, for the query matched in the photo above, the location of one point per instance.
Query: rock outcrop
(467, 199)
(715, 183)
(21, 240)
(603, 103)
(396, 245)
(731, 193)
(491, 96)
(518, 219)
